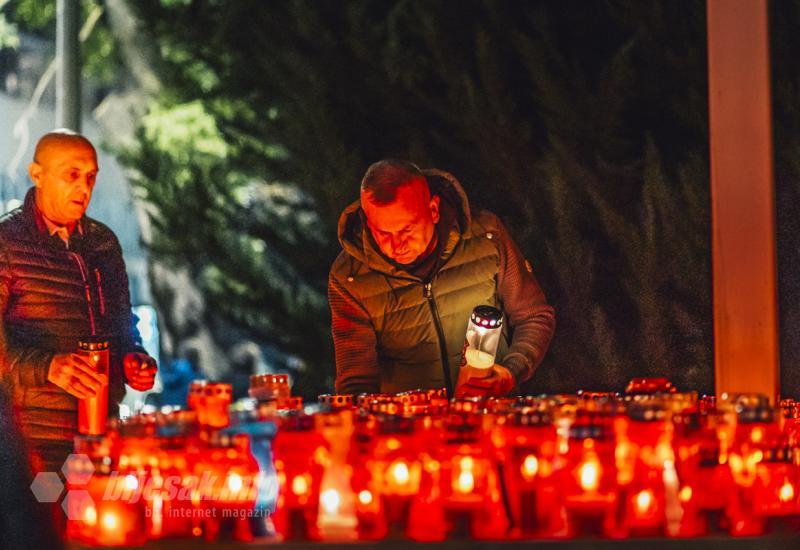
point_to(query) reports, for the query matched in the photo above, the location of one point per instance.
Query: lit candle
(786, 492)
(530, 466)
(589, 475)
(399, 472)
(644, 500)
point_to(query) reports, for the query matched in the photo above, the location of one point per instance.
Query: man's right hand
(74, 375)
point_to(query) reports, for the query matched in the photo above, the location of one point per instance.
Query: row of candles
(649, 462)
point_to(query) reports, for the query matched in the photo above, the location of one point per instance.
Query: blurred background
(233, 133)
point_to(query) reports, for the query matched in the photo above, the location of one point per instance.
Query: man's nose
(398, 243)
(84, 185)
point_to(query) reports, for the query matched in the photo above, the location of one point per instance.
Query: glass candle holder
(300, 457)
(483, 336)
(93, 411)
(270, 387)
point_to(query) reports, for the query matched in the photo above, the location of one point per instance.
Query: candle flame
(331, 500)
(590, 475)
(736, 463)
(399, 472)
(685, 494)
(131, 483)
(234, 482)
(90, 515)
(644, 499)
(300, 485)
(365, 497)
(530, 467)
(158, 505)
(786, 492)
(110, 521)
(466, 482)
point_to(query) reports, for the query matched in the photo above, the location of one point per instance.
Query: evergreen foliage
(99, 53)
(582, 124)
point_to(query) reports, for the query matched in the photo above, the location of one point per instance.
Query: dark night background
(583, 124)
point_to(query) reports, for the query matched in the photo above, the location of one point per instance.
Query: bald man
(62, 279)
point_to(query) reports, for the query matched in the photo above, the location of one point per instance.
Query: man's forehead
(408, 207)
(391, 217)
(61, 149)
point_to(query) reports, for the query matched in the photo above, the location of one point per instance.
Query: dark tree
(582, 124)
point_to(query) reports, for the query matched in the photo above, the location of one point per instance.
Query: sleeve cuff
(519, 366)
(36, 374)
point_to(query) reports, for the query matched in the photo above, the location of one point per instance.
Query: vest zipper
(427, 292)
(87, 288)
(100, 296)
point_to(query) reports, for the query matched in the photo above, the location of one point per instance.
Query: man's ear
(35, 172)
(434, 206)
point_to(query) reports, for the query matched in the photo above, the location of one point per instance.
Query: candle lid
(638, 386)
(487, 316)
(269, 380)
(336, 401)
(90, 344)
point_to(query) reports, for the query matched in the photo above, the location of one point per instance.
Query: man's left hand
(140, 371)
(499, 383)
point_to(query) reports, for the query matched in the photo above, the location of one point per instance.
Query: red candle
(460, 481)
(526, 448)
(589, 475)
(300, 455)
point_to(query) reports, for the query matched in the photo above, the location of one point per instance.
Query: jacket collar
(354, 234)
(38, 226)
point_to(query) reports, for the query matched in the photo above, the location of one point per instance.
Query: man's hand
(140, 371)
(73, 374)
(497, 384)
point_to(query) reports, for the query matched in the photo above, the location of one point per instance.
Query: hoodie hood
(354, 233)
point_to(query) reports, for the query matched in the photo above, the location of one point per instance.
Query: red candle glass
(460, 483)
(101, 504)
(589, 475)
(227, 475)
(93, 411)
(270, 387)
(300, 455)
(526, 447)
(211, 401)
(765, 479)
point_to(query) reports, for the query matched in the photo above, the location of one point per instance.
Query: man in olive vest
(415, 262)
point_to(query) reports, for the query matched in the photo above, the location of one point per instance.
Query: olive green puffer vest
(407, 312)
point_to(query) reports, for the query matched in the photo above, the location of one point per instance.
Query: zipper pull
(100, 291)
(426, 291)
